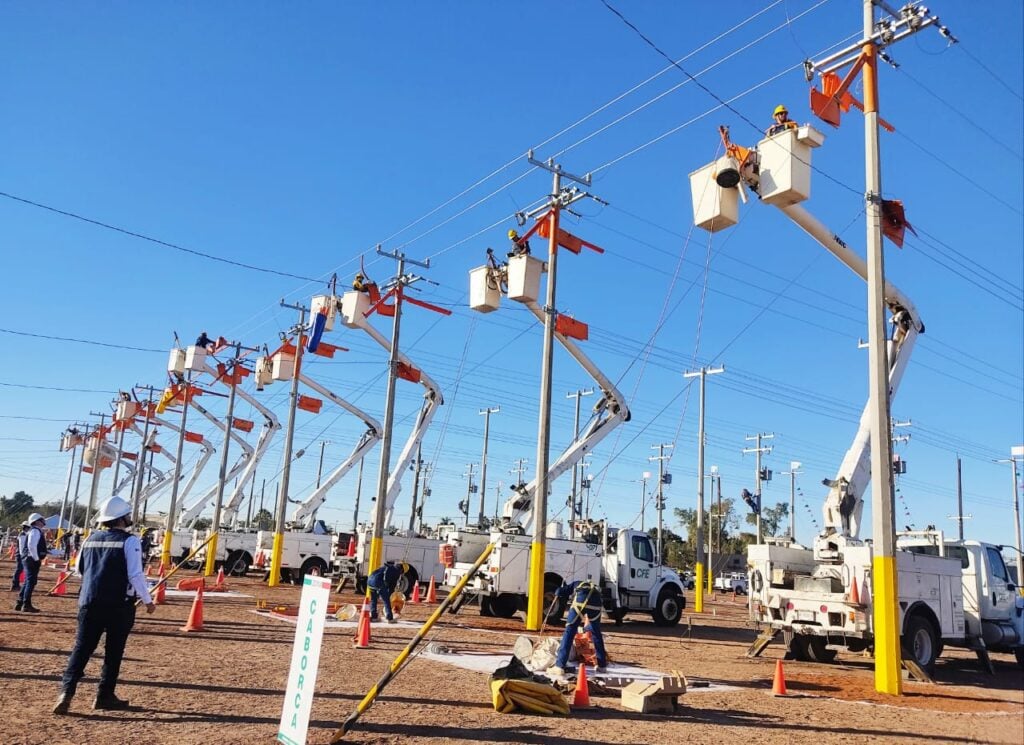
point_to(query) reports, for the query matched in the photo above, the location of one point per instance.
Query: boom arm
(303, 514)
(609, 412)
(845, 501)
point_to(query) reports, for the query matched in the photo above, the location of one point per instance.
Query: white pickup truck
(732, 582)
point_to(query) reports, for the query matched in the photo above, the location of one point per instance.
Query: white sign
(309, 632)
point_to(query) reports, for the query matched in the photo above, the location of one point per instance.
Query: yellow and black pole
(186, 394)
(286, 468)
(396, 665)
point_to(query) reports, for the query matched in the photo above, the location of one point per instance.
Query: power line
(82, 341)
(157, 241)
(987, 69)
(54, 388)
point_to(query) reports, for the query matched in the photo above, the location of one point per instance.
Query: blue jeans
(385, 596)
(93, 622)
(31, 577)
(16, 579)
(571, 626)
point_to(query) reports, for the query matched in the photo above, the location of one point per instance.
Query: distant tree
(263, 520)
(772, 518)
(202, 523)
(16, 508)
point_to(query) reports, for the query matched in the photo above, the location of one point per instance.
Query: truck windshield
(642, 548)
(995, 559)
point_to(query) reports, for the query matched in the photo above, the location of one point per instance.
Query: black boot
(18, 605)
(110, 702)
(28, 608)
(63, 703)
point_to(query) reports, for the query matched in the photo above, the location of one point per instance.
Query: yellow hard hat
(513, 234)
(405, 567)
(780, 109)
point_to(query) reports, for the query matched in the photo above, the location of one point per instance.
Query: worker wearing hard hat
(112, 582)
(520, 246)
(31, 560)
(19, 554)
(584, 612)
(382, 582)
(782, 121)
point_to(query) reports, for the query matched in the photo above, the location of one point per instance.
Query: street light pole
(483, 461)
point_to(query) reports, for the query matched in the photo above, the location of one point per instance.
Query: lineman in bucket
(112, 580)
(382, 582)
(584, 611)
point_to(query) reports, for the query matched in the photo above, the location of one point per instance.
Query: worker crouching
(382, 582)
(584, 612)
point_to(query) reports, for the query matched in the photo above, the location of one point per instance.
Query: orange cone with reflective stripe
(351, 547)
(581, 697)
(195, 616)
(432, 591)
(61, 588)
(416, 593)
(160, 596)
(363, 629)
(854, 591)
(779, 683)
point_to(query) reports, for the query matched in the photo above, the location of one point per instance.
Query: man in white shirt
(32, 559)
(19, 551)
(112, 581)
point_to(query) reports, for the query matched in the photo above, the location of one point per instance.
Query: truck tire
(669, 608)
(818, 652)
(798, 650)
(921, 641)
(407, 581)
(313, 562)
(1019, 654)
(237, 564)
(554, 608)
(618, 614)
(504, 605)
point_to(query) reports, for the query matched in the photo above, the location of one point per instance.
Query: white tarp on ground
(207, 595)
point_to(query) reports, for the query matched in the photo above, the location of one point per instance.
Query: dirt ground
(225, 684)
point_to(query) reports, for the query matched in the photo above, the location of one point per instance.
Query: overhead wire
(81, 341)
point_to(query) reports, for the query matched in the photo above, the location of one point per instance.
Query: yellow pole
(885, 619)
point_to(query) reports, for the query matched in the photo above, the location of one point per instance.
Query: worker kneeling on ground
(584, 611)
(382, 582)
(112, 581)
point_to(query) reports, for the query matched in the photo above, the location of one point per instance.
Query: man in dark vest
(584, 610)
(112, 581)
(19, 552)
(382, 582)
(31, 560)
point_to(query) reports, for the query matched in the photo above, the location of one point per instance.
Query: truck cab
(635, 580)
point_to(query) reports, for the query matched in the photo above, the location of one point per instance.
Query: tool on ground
(514, 687)
(399, 661)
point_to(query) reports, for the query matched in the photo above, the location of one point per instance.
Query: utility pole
(794, 470)
(232, 378)
(643, 498)
(248, 512)
(863, 55)
(662, 478)
(186, 394)
(576, 469)
(147, 411)
(289, 437)
(556, 201)
(149, 480)
(702, 373)
(81, 469)
(424, 492)
(67, 490)
(716, 535)
(97, 470)
(263, 494)
(519, 469)
(960, 497)
(497, 500)
(417, 467)
(376, 554)
(759, 474)
(320, 465)
(586, 481)
(483, 462)
(469, 491)
(1016, 455)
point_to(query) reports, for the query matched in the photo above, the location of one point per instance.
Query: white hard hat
(34, 518)
(112, 509)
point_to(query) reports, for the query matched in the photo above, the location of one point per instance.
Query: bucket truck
(304, 548)
(235, 549)
(622, 561)
(950, 593)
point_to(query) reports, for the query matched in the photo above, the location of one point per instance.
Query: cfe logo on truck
(309, 633)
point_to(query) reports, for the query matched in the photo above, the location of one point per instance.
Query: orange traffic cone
(149, 570)
(432, 591)
(363, 630)
(220, 576)
(581, 697)
(160, 596)
(61, 588)
(854, 591)
(11, 550)
(195, 616)
(779, 683)
(351, 547)
(416, 593)
(261, 560)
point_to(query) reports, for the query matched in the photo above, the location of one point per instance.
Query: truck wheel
(798, 648)
(406, 582)
(361, 585)
(504, 605)
(485, 606)
(1019, 654)
(818, 652)
(313, 562)
(920, 640)
(557, 607)
(617, 615)
(237, 563)
(669, 608)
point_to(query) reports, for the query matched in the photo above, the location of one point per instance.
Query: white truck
(732, 582)
(623, 562)
(820, 597)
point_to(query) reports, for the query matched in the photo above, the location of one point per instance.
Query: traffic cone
(432, 591)
(779, 683)
(581, 697)
(351, 547)
(854, 591)
(261, 560)
(61, 588)
(160, 596)
(149, 570)
(11, 550)
(363, 629)
(416, 593)
(220, 577)
(195, 616)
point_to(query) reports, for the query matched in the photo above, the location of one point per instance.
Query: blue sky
(297, 137)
